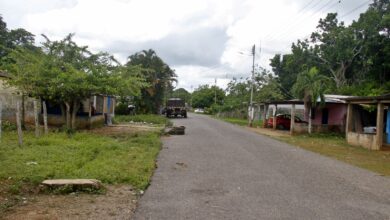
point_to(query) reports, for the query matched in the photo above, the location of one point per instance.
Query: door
(325, 116)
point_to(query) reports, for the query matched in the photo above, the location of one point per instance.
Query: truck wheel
(185, 115)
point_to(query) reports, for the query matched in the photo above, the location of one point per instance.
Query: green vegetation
(148, 118)
(355, 58)
(335, 146)
(158, 75)
(119, 159)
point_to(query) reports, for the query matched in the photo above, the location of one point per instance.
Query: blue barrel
(388, 126)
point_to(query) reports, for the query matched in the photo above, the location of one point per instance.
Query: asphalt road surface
(222, 171)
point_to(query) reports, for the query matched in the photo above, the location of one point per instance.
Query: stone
(92, 183)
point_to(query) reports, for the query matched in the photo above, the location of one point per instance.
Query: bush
(121, 109)
(8, 126)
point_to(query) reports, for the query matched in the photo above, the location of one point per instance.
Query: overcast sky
(200, 39)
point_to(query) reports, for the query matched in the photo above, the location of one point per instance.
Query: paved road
(222, 171)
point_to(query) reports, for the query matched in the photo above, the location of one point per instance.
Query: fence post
(19, 124)
(36, 118)
(45, 117)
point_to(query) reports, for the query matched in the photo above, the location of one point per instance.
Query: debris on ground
(74, 183)
(180, 130)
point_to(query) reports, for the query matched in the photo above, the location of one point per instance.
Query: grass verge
(126, 159)
(335, 146)
(149, 118)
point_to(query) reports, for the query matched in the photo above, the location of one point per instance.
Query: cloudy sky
(200, 39)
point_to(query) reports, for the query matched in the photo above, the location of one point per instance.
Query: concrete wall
(81, 121)
(368, 141)
(9, 97)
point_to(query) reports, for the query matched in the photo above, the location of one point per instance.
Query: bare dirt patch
(119, 202)
(125, 129)
(270, 132)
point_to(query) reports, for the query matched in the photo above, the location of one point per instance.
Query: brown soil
(124, 129)
(270, 132)
(119, 202)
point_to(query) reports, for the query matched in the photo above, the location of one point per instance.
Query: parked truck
(176, 107)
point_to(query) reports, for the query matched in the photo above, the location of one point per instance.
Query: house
(93, 112)
(327, 117)
(8, 98)
(87, 117)
(368, 121)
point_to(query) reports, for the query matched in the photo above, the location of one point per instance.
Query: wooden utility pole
(252, 81)
(19, 124)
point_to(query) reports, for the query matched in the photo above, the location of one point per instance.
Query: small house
(368, 121)
(327, 117)
(93, 112)
(87, 117)
(9, 96)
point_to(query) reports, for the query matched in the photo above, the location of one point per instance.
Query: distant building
(101, 106)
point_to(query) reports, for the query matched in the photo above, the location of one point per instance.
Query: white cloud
(201, 39)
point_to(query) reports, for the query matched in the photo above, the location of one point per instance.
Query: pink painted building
(328, 117)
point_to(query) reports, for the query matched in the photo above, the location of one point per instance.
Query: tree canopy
(159, 76)
(355, 57)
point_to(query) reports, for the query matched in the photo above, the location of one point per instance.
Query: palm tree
(310, 86)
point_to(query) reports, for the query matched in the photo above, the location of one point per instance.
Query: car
(283, 121)
(199, 110)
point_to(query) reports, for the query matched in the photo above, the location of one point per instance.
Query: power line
(287, 31)
(355, 9)
(294, 20)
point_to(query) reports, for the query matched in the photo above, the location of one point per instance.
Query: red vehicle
(283, 121)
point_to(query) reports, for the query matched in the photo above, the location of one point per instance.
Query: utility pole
(250, 110)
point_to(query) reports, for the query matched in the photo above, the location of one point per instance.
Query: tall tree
(311, 86)
(336, 48)
(204, 96)
(181, 93)
(66, 73)
(159, 76)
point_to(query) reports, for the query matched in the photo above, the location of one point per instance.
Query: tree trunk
(23, 113)
(89, 114)
(63, 111)
(45, 117)
(67, 117)
(19, 124)
(309, 126)
(36, 120)
(75, 108)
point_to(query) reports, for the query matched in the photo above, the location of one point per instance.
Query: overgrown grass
(335, 146)
(149, 118)
(129, 159)
(242, 122)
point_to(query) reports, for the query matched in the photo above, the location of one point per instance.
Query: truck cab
(176, 107)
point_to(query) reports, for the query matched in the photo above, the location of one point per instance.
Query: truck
(176, 107)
